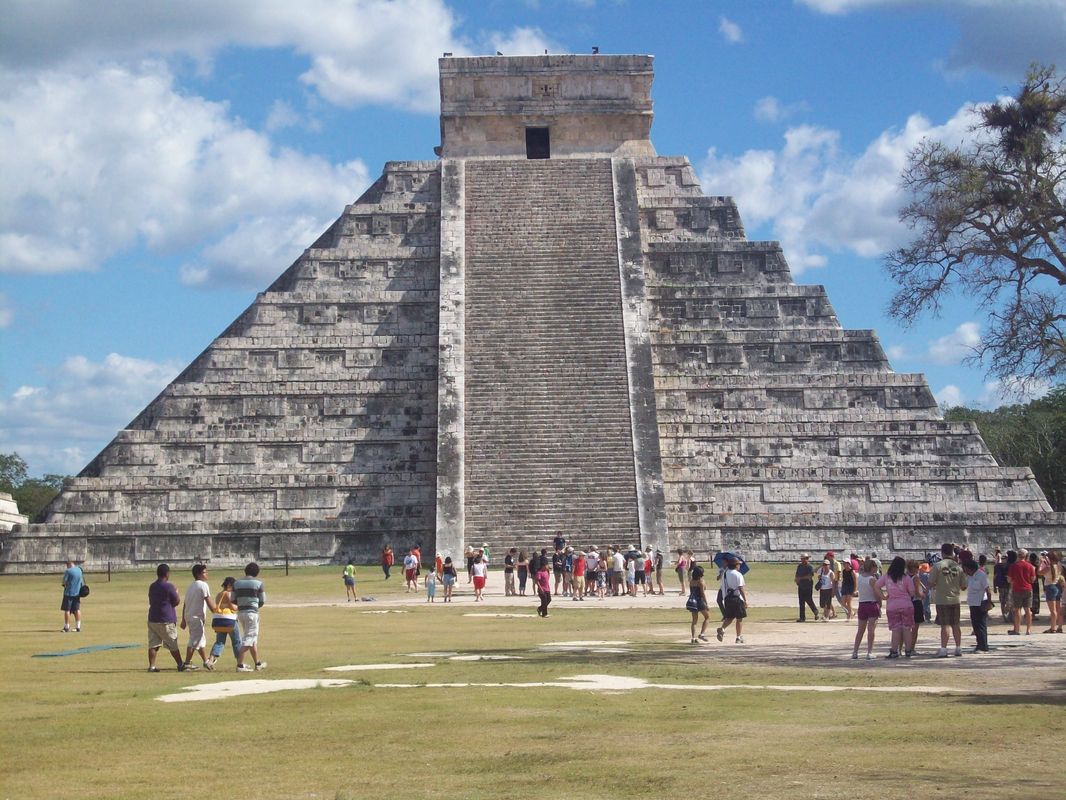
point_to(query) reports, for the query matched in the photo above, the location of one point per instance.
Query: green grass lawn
(91, 725)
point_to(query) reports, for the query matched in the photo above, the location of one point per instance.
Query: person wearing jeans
(977, 592)
(227, 610)
(805, 587)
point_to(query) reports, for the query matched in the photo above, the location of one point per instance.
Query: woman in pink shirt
(897, 587)
(544, 588)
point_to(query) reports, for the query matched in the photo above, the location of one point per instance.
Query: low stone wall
(45, 548)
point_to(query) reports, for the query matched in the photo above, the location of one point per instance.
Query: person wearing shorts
(479, 571)
(947, 581)
(448, 578)
(194, 616)
(869, 608)
(163, 599)
(410, 571)
(897, 587)
(349, 581)
(250, 595)
(1022, 576)
(734, 600)
(579, 576)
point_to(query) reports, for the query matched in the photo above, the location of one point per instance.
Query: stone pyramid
(549, 329)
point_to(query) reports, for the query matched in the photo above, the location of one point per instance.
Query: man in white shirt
(410, 571)
(734, 600)
(977, 591)
(618, 565)
(194, 616)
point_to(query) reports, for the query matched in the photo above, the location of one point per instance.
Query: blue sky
(162, 162)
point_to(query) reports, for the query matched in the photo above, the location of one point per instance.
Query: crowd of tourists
(911, 590)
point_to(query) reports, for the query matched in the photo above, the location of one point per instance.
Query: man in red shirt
(1022, 575)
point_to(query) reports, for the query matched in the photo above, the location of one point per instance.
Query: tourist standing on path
(734, 599)
(1054, 581)
(826, 590)
(522, 565)
(479, 571)
(508, 573)
(979, 599)
(73, 580)
(1021, 575)
(557, 568)
(543, 583)
(225, 622)
(163, 601)
(194, 616)
(898, 589)
(697, 604)
(250, 595)
(431, 586)
(349, 581)
(947, 581)
(387, 559)
(469, 553)
(1037, 591)
(448, 578)
(438, 566)
(410, 571)
(869, 608)
(681, 568)
(805, 587)
(917, 605)
(578, 592)
(658, 565)
(847, 588)
(568, 571)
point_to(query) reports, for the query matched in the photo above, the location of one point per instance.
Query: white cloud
(57, 427)
(815, 197)
(730, 31)
(896, 352)
(7, 313)
(957, 345)
(949, 396)
(523, 42)
(281, 116)
(359, 51)
(1003, 37)
(145, 165)
(770, 109)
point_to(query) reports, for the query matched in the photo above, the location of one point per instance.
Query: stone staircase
(549, 444)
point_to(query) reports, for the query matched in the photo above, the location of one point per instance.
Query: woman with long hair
(681, 568)
(1051, 571)
(448, 578)
(897, 587)
(697, 604)
(869, 608)
(522, 566)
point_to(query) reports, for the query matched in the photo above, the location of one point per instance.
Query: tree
(1030, 435)
(989, 219)
(30, 494)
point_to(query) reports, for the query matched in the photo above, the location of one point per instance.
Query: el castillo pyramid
(547, 329)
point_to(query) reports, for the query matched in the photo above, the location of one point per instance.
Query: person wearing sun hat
(805, 587)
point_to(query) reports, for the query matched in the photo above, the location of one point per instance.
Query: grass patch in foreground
(92, 722)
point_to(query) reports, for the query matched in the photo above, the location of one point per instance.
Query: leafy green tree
(31, 494)
(12, 471)
(1030, 435)
(989, 220)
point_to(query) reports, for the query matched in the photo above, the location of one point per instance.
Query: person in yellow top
(349, 581)
(224, 622)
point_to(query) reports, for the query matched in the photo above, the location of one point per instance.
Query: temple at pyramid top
(548, 330)
(555, 106)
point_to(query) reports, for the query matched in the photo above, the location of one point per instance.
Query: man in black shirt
(805, 585)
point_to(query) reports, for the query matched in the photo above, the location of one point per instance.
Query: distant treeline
(1029, 435)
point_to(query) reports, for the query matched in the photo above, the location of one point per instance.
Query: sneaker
(958, 651)
(1013, 633)
(77, 630)
(209, 666)
(245, 668)
(703, 638)
(942, 652)
(153, 669)
(720, 634)
(869, 656)
(740, 640)
(181, 667)
(260, 666)
(65, 630)
(695, 641)
(907, 653)
(892, 654)
(191, 667)
(854, 656)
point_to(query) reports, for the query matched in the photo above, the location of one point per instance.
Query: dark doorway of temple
(538, 143)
